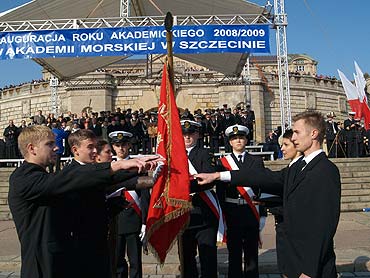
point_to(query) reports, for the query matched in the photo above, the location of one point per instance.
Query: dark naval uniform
(202, 229)
(242, 224)
(331, 136)
(130, 221)
(351, 137)
(201, 232)
(242, 217)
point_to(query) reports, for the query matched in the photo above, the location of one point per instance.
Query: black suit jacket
(201, 215)
(39, 203)
(233, 212)
(46, 211)
(311, 204)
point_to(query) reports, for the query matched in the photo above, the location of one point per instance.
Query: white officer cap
(236, 130)
(189, 126)
(120, 136)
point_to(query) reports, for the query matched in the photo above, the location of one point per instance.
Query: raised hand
(206, 178)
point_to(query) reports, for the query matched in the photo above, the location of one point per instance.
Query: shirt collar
(312, 155)
(237, 155)
(294, 160)
(79, 162)
(189, 149)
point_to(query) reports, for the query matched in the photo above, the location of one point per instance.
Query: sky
(332, 32)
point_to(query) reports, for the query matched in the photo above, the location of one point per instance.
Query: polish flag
(360, 85)
(352, 95)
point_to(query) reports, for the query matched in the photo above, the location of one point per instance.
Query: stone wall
(100, 92)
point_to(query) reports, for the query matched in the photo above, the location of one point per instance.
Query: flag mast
(168, 23)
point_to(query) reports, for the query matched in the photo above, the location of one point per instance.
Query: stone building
(136, 84)
(297, 64)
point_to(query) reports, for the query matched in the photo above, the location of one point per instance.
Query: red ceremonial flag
(170, 200)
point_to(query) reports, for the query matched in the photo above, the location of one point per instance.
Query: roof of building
(273, 58)
(66, 68)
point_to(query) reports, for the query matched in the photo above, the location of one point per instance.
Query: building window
(299, 68)
(300, 62)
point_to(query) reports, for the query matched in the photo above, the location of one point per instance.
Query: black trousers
(205, 240)
(130, 242)
(243, 240)
(352, 149)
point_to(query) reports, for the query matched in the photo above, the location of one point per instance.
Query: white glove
(262, 222)
(142, 232)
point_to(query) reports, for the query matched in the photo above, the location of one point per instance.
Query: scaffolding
(54, 83)
(280, 23)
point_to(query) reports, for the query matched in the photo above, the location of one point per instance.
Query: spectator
(39, 119)
(11, 135)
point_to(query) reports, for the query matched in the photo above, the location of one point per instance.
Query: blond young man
(41, 204)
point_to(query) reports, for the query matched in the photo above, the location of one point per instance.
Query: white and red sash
(214, 205)
(246, 192)
(134, 199)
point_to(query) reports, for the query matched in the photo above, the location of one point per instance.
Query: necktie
(240, 158)
(301, 164)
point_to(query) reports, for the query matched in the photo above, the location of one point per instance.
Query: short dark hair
(82, 134)
(315, 120)
(100, 145)
(288, 134)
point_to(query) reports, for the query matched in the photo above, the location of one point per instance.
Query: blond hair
(33, 135)
(315, 120)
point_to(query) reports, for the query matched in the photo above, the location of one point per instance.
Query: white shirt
(226, 176)
(241, 154)
(294, 160)
(311, 156)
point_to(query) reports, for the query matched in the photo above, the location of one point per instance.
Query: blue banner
(134, 40)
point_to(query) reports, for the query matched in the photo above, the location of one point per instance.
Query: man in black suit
(201, 232)
(42, 205)
(243, 219)
(311, 199)
(131, 220)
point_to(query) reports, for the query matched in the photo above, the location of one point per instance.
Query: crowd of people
(143, 126)
(34, 81)
(348, 138)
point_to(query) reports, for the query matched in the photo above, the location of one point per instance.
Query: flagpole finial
(168, 22)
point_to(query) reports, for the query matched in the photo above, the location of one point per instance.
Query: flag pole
(168, 23)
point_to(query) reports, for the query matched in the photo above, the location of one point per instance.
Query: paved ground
(352, 247)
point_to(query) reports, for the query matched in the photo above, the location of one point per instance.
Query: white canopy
(66, 68)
